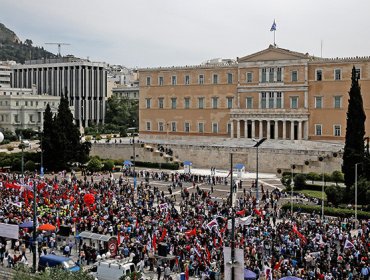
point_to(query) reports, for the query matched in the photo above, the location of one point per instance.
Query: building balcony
(301, 113)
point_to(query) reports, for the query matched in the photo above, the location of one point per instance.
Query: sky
(151, 33)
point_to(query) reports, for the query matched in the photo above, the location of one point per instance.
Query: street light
(323, 189)
(232, 237)
(34, 228)
(258, 143)
(356, 189)
(291, 188)
(133, 129)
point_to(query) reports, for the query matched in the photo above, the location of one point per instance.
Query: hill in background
(12, 48)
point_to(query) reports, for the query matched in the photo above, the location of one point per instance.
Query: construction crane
(59, 46)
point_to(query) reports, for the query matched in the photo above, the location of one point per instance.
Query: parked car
(57, 261)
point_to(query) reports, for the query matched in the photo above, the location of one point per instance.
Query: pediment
(272, 54)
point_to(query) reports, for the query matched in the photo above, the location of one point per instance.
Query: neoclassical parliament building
(275, 93)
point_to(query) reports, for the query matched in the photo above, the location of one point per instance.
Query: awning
(127, 162)
(188, 163)
(239, 166)
(94, 236)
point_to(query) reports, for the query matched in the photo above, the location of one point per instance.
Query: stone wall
(270, 160)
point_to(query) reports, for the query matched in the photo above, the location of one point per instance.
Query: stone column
(253, 129)
(284, 129)
(245, 129)
(305, 130)
(268, 132)
(292, 130)
(299, 130)
(261, 129)
(232, 129)
(276, 127)
(238, 129)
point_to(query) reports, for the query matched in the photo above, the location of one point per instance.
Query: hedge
(330, 211)
(166, 165)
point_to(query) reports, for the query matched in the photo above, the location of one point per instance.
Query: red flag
(277, 265)
(191, 232)
(55, 187)
(154, 242)
(208, 254)
(258, 212)
(300, 235)
(118, 237)
(187, 273)
(241, 212)
(164, 232)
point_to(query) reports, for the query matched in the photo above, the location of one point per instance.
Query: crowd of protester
(193, 227)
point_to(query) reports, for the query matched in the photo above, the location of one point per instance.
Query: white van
(112, 270)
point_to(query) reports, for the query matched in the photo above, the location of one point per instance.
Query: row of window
(337, 130)
(25, 103)
(32, 118)
(187, 81)
(319, 102)
(201, 102)
(268, 75)
(172, 127)
(337, 74)
(268, 100)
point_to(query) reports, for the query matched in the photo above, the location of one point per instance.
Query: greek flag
(273, 27)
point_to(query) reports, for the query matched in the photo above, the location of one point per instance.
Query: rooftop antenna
(59, 46)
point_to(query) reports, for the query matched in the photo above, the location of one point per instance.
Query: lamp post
(133, 129)
(232, 237)
(291, 189)
(356, 189)
(34, 243)
(323, 189)
(258, 143)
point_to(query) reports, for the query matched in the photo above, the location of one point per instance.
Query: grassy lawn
(311, 193)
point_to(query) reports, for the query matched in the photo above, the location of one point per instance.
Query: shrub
(299, 181)
(94, 165)
(30, 166)
(313, 177)
(330, 211)
(337, 177)
(334, 194)
(286, 181)
(98, 137)
(88, 138)
(10, 148)
(108, 165)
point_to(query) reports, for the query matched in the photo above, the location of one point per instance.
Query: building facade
(275, 93)
(24, 108)
(84, 82)
(5, 71)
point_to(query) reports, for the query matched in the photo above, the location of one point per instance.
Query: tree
(54, 273)
(299, 181)
(334, 194)
(337, 177)
(94, 165)
(28, 42)
(355, 132)
(48, 146)
(61, 141)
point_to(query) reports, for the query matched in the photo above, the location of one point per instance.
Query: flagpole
(274, 38)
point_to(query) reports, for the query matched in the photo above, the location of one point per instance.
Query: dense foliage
(61, 140)
(330, 211)
(355, 132)
(121, 113)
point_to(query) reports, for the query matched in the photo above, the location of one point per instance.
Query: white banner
(9, 231)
